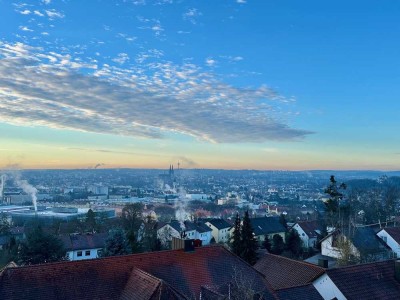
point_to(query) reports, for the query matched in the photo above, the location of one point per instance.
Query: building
(308, 232)
(391, 237)
(220, 229)
(186, 229)
(362, 244)
(267, 226)
(84, 246)
(173, 274)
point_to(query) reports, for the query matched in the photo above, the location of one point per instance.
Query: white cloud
(192, 15)
(25, 12)
(38, 13)
(210, 62)
(46, 2)
(25, 28)
(51, 89)
(121, 58)
(241, 1)
(54, 14)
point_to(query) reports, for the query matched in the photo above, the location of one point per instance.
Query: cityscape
(210, 150)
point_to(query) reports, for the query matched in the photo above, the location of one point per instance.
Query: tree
(267, 243)
(282, 220)
(277, 244)
(40, 247)
(132, 220)
(132, 216)
(150, 240)
(90, 221)
(249, 243)
(4, 225)
(236, 243)
(332, 205)
(116, 244)
(294, 243)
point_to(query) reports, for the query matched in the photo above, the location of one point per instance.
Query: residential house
(391, 237)
(173, 274)
(267, 226)
(292, 280)
(220, 229)
(362, 242)
(187, 229)
(308, 232)
(84, 246)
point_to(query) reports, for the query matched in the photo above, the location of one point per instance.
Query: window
(87, 253)
(384, 238)
(79, 253)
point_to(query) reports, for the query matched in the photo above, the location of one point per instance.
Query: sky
(233, 84)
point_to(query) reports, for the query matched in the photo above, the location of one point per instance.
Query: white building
(84, 246)
(308, 232)
(220, 230)
(391, 237)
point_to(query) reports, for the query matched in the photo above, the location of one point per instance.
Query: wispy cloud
(191, 15)
(25, 28)
(54, 14)
(121, 58)
(146, 100)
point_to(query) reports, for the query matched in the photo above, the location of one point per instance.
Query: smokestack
(2, 184)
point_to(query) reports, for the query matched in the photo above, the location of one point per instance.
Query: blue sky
(212, 84)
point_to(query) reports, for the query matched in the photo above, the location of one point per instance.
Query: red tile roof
(367, 281)
(107, 278)
(282, 272)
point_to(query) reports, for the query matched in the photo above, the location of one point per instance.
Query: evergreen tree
(249, 243)
(117, 244)
(294, 243)
(332, 205)
(40, 247)
(236, 243)
(277, 245)
(267, 243)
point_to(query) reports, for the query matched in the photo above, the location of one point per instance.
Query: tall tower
(2, 184)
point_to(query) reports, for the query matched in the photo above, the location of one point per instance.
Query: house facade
(308, 232)
(220, 230)
(84, 246)
(391, 237)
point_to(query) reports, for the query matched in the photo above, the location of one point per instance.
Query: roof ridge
(109, 257)
(366, 263)
(297, 261)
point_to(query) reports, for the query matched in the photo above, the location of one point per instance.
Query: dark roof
(282, 272)
(367, 281)
(219, 223)
(365, 239)
(310, 228)
(106, 278)
(394, 232)
(201, 227)
(266, 225)
(84, 241)
(304, 292)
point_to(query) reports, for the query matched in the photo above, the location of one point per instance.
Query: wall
(390, 242)
(327, 288)
(73, 255)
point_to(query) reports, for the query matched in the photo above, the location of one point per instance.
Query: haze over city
(211, 84)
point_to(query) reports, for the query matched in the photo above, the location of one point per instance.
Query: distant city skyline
(233, 84)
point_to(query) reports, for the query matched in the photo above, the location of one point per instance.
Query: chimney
(189, 245)
(397, 270)
(323, 263)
